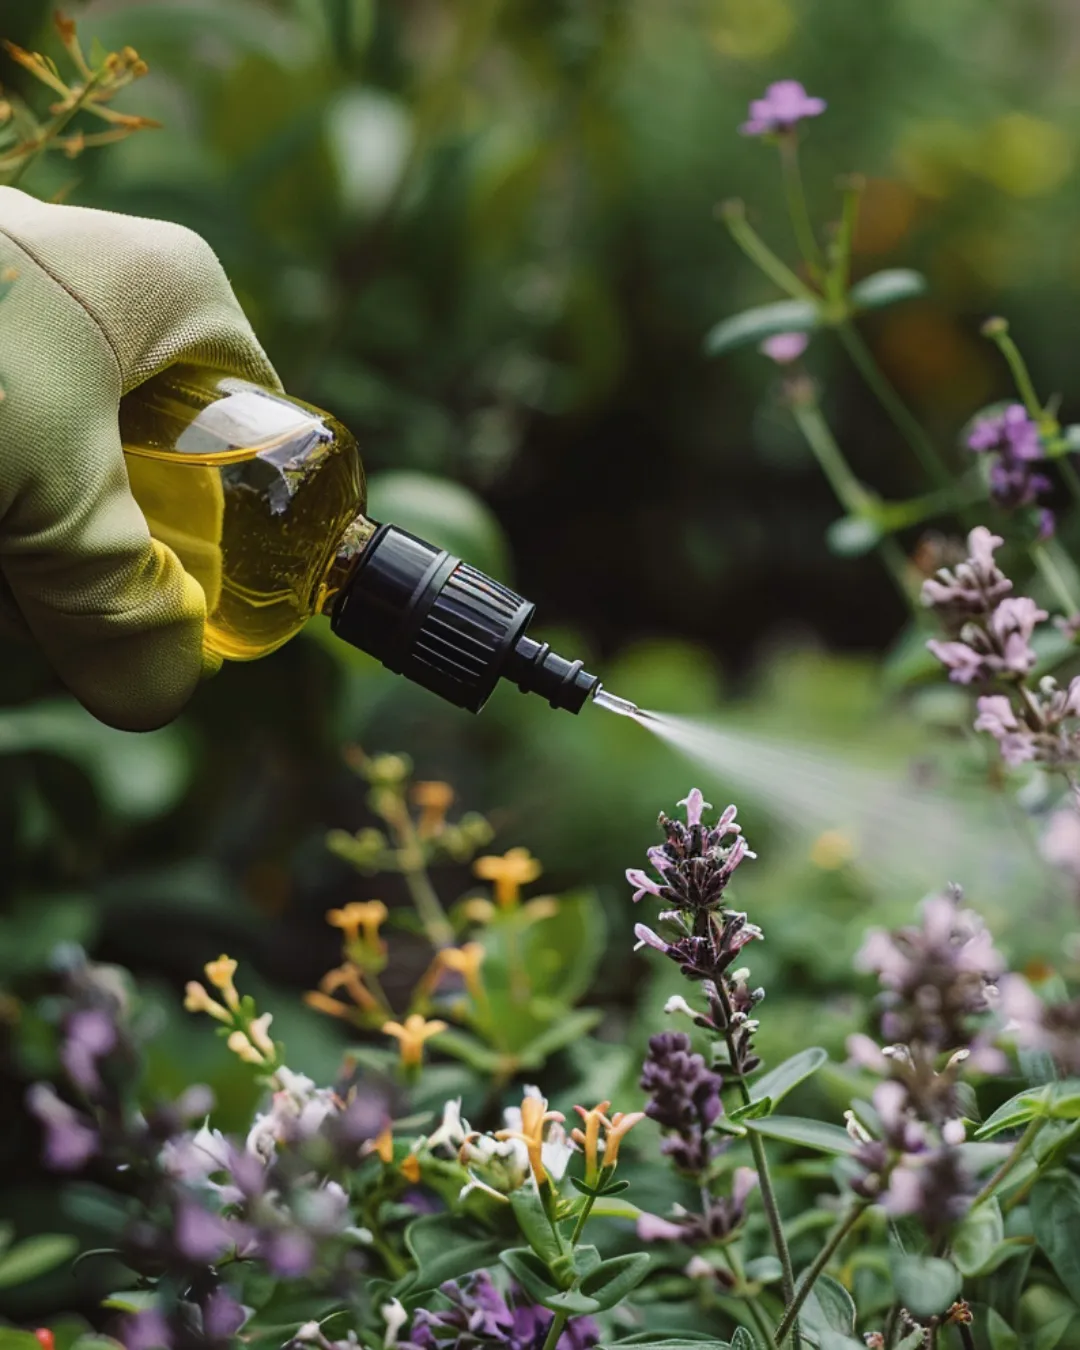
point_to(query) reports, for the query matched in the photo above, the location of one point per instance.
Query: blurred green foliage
(482, 233)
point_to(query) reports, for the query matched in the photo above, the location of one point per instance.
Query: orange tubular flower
(534, 1117)
(434, 800)
(349, 978)
(589, 1139)
(615, 1131)
(220, 974)
(411, 1036)
(508, 873)
(367, 915)
(466, 962)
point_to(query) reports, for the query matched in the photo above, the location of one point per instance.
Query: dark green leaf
(612, 1280)
(977, 1237)
(752, 1110)
(445, 512)
(586, 1259)
(1015, 1113)
(764, 1269)
(815, 1134)
(445, 1247)
(469, 1050)
(645, 1340)
(755, 325)
(131, 1300)
(10, 1339)
(925, 1285)
(886, 288)
(742, 1340)
(565, 1030)
(996, 1333)
(1064, 1101)
(34, 1257)
(1049, 1335)
(535, 1225)
(1055, 1219)
(829, 1307)
(531, 1273)
(778, 1082)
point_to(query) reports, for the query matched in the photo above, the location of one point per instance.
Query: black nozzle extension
(445, 625)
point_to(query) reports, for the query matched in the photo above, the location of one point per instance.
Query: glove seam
(87, 309)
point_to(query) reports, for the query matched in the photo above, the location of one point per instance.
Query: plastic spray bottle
(262, 497)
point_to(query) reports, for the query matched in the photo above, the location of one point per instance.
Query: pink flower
(644, 884)
(785, 105)
(783, 348)
(695, 804)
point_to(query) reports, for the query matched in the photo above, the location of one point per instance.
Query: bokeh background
(483, 233)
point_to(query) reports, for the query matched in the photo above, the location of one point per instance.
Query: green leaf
(132, 1300)
(10, 1339)
(829, 1307)
(752, 1110)
(742, 1340)
(1049, 1335)
(644, 1340)
(445, 1246)
(992, 1330)
(535, 1225)
(1015, 1113)
(1055, 1220)
(533, 1276)
(563, 1032)
(613, 1279)
(1065, 1099)
(815, 1134)
(35, 1256)
(887, 288)
(778, 1082)
(764, 1269)
(471, 1051)
(925, 1285)
(977, 1237)
(754, 325)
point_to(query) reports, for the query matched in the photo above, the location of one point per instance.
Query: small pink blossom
(785, 104)
(783, 348)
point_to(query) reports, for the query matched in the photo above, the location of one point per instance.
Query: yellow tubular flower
(516, 868)
(534, 1116)
(349, 978)
(331, 1006)
(220, 974)
(410, 1168)
(359, 914)
(434, 800)
(239, 1044)
(411, 1037)
(258, 1034)
(466, 962)
(589, 1139)
(615, 1131)
(196, 999)
(384, 1145)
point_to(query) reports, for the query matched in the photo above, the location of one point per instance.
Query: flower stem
(1019, 1149)
(796, 202)
(762, 256)
(753, 1307)
(901, 416)
(1053, 564)
(583, 1219)
(53, 129)
(410, 861)
(998, 332)
(558, 1325)
(839, 1233)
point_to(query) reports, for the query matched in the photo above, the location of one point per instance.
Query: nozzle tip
(614, 704)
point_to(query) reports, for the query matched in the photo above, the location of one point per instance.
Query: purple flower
(964, 664)
(1053, 1028)
(200, 1236)
(974, 587)
(783, 348)
(1013, 438)
(695, 804)
(147, 1330)
(69, 1141)
(290, 1252)
(785, 105)
(636, 877)
(481, 1318)
(90, 1034)
(996, 716)
(684, 1099)
(222, 1315)
(696, 863)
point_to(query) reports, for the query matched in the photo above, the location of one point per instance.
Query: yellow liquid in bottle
(254, 492)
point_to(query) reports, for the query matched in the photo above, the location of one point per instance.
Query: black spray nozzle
(447, 626)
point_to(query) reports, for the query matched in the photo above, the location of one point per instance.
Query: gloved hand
(100, 303)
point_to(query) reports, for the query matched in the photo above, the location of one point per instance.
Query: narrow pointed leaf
(887, 288)
(778, 1082)
(755, 325)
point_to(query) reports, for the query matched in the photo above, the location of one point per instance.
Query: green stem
(55, 127)
(583, 1219)
(428, 906)
(836, 283)
(1048, 559)
(1070, 476)
(761, 1162)
(849, 491)
(558, 1325)
(753, 1307)
(796, 203)
(1025, 386)
(762, 256)
(1019, 1149)
(901, 416)
(822, 1259)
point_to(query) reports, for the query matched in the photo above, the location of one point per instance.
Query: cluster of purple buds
(684, 1099)
(1012, 438)
(722, 1216)
(991, 636)
(1048, 1028)
(481, 1317)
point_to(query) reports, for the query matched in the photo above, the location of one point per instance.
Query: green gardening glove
(99, 303)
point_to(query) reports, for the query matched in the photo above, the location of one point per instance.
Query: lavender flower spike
(785, 105)
(695, 804)
(644, 885)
